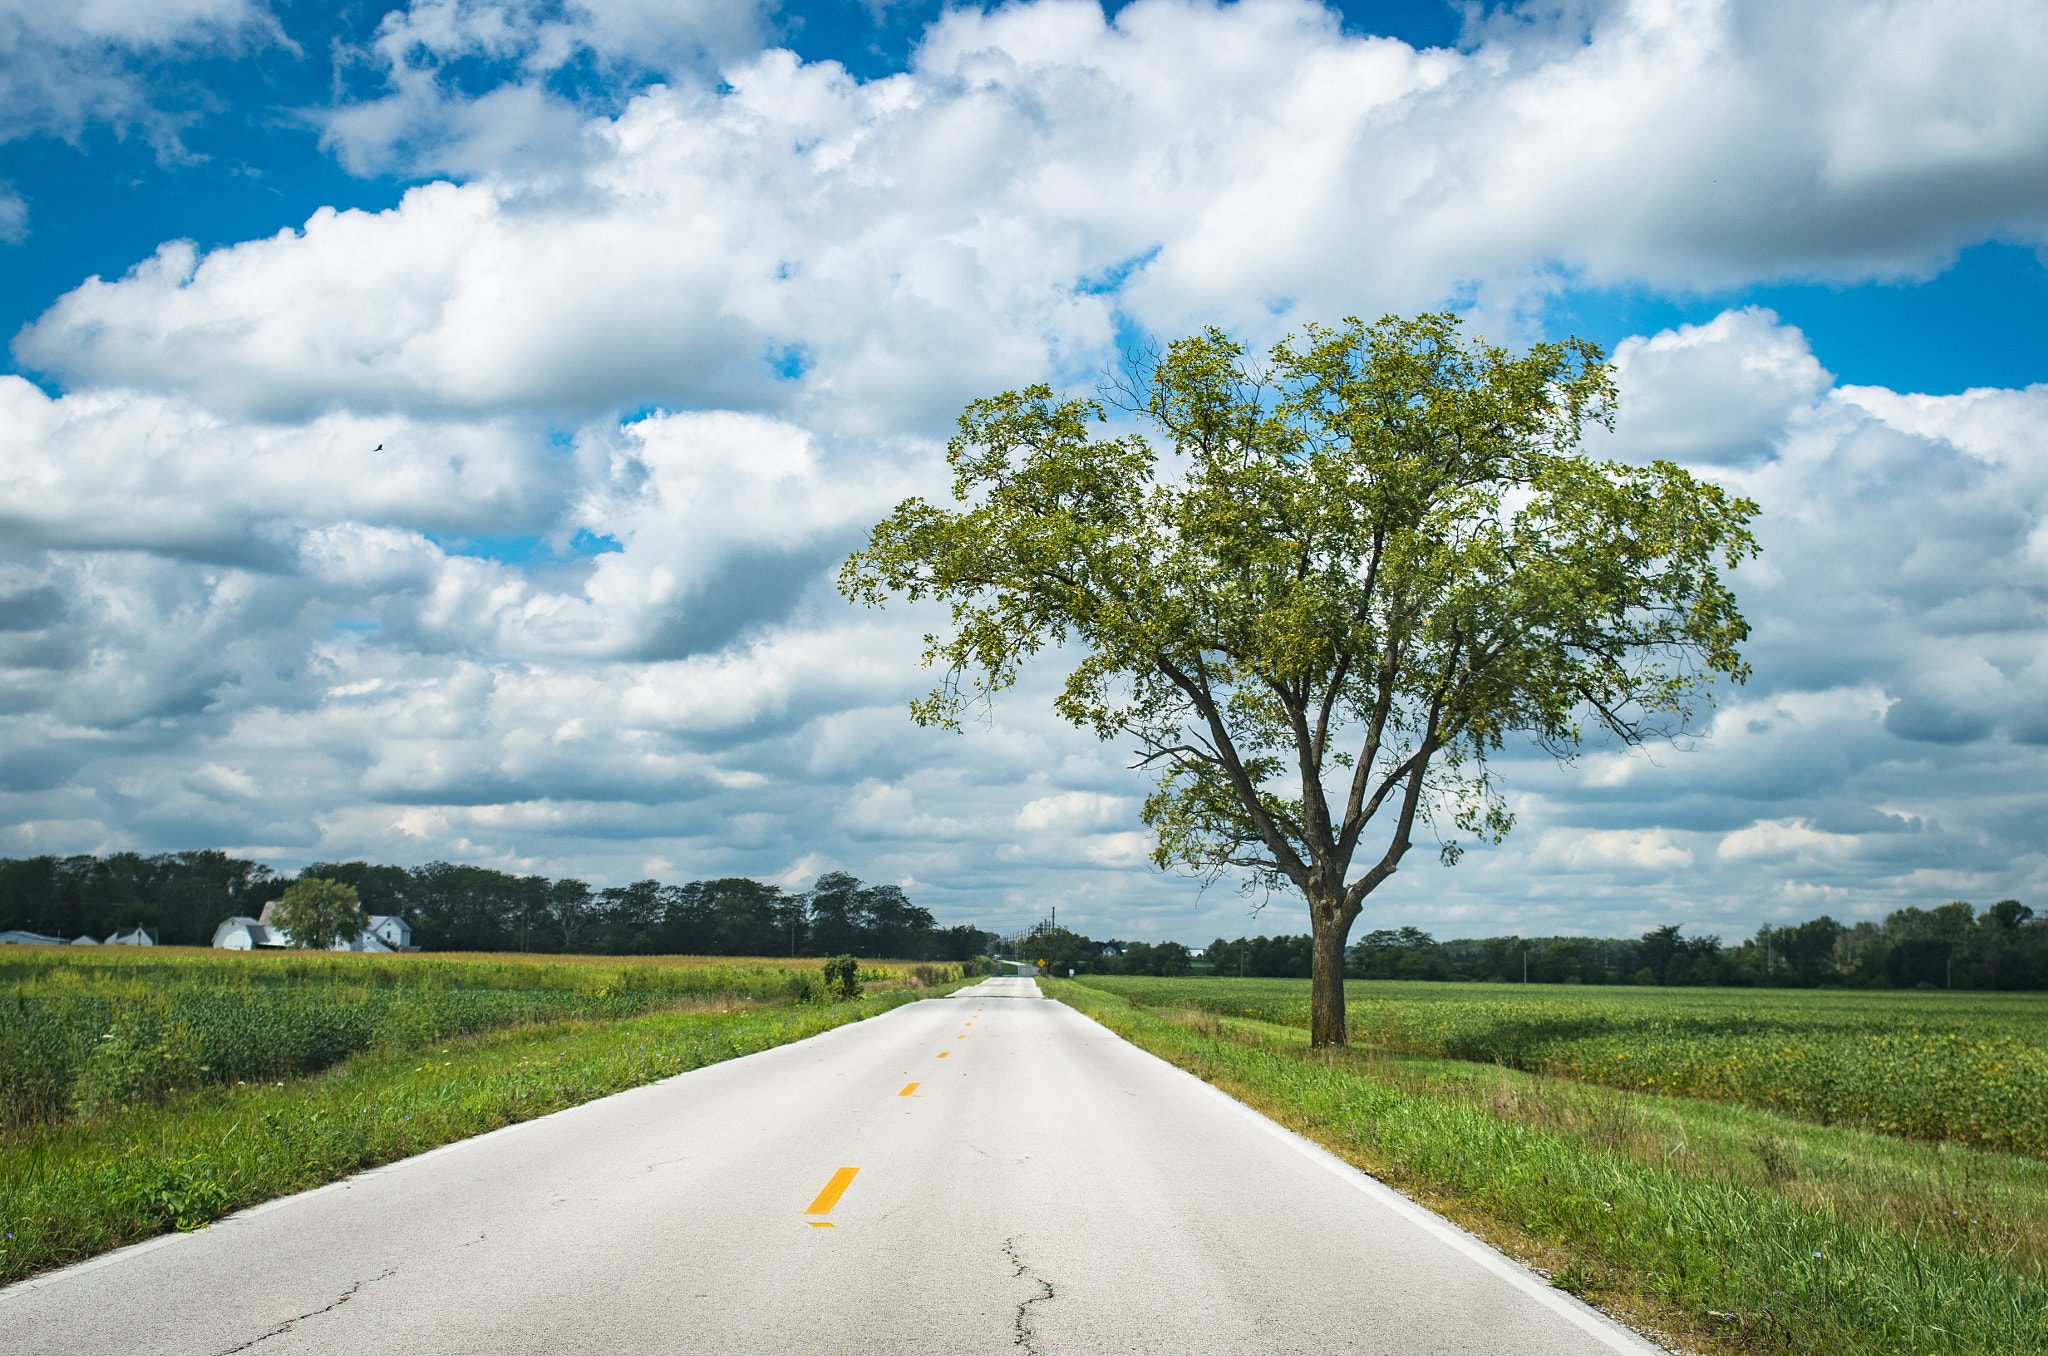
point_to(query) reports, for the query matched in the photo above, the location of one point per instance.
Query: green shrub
(842, 977)
(183, 1194)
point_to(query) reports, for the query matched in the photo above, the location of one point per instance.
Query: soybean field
(1970, 1068)
(84, 1034)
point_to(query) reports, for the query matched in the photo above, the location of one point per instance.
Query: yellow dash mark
(819, 1223)
(908, 1089)
(834, 1189)
(943, 1053)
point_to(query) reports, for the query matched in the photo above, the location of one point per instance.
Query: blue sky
(647, 312)
(250, 163)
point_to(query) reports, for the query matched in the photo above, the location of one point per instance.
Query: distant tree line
(1062, 950)
(1954, 946)
(183, 896)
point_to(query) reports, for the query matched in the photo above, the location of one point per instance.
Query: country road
(987, 1173)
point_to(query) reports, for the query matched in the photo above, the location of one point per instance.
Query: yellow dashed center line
(829, 1197)
(943, 1053)
(908, 1089)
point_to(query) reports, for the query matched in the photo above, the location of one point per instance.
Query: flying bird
(378, 448)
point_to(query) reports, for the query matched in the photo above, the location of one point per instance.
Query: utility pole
(1240, 957)
(1525, 962)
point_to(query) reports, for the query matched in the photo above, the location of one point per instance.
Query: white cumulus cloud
(501, 525)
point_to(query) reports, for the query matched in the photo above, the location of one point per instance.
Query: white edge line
(1569, 1307)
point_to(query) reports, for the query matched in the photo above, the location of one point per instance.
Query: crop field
(161, 1089)
(82, 1034)
(1971, 1068)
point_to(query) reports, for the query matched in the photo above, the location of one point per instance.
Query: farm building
(21, 938)
(125, 937)
(390, 929)
(247, 934)
(387, 932)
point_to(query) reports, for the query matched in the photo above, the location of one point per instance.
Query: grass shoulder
(1729, 1228)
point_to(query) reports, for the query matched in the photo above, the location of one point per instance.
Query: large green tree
(316, 913)
(1318, 592)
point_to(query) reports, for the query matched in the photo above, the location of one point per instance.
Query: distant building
(21, 938)
(386, 932)
(390, 929)
(85, 940)
(135, 936)
(248, 934)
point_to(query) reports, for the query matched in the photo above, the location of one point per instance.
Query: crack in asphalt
(287, 1325)
(1026, 1333)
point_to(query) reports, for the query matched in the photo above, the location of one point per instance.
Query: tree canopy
(1317, 592)
(316, 913)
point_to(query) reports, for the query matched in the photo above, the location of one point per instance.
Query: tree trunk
(1326, 1002)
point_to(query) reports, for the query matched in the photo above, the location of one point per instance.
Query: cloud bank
(500, 525)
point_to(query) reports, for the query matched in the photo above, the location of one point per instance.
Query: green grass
(1737, 1229)
(72, 1190)
(1966, 1067)
(82, 1033)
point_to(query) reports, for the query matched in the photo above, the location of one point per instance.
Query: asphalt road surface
(987, 1173)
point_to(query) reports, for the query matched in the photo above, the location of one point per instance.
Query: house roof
(259, 933)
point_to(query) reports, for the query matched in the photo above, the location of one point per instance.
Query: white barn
(135, 936)
(386, 932)
(247, 934)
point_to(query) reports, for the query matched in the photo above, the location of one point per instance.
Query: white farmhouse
(386, 932)
(394, 932)
(135, 936)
